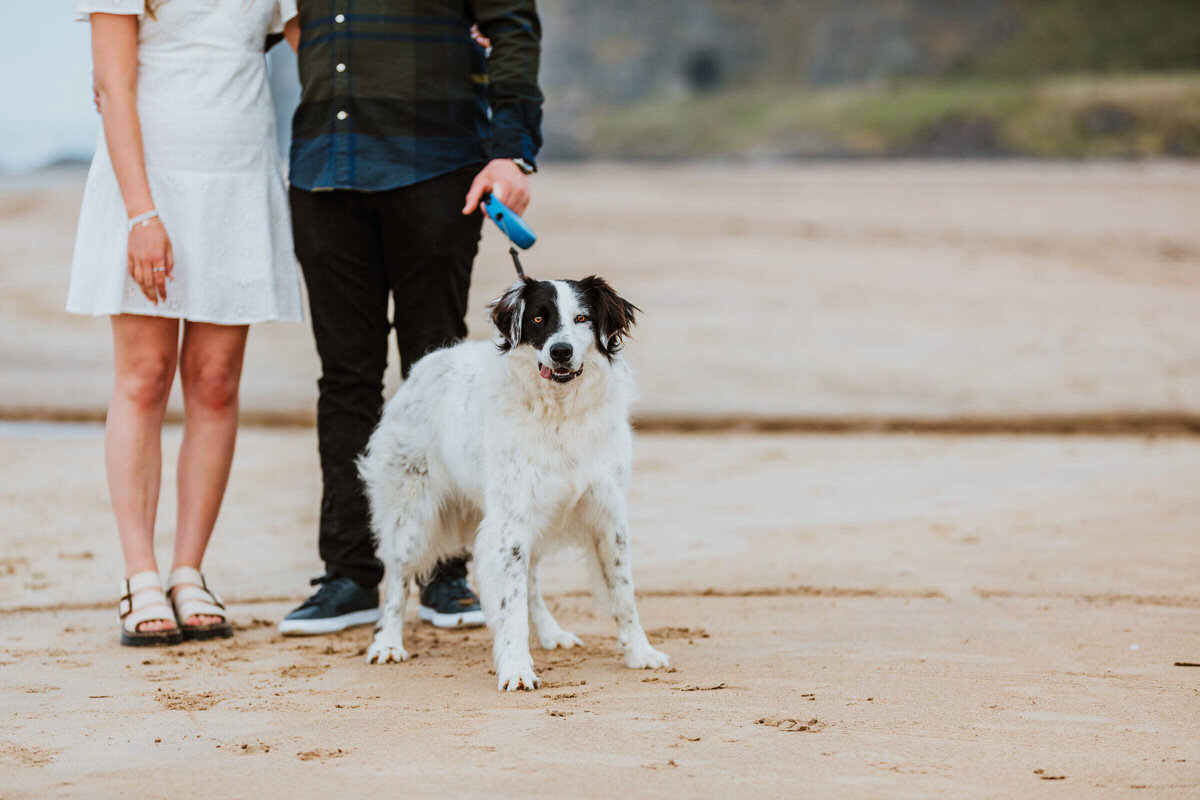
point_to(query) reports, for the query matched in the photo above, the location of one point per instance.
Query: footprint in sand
(302, 670)
(40, 688)
(314, 755)
(792, 725)
(23, 756)
(188, 701)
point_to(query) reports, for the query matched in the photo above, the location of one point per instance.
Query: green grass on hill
(1097, 36)
(1062, 116)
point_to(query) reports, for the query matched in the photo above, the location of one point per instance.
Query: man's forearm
(515, 32)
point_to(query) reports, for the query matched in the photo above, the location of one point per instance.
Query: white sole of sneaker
(468, 619)
(316, 627)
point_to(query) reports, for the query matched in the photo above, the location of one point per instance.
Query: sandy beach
(908, 614)
(871, 291)
(900, 616)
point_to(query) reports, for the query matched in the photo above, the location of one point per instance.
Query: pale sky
(45, 84)
(46, 107)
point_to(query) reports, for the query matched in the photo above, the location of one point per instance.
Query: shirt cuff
(516, 132)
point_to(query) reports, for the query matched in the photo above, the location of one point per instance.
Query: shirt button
(342, 115)
(339, 19)
(341, 67)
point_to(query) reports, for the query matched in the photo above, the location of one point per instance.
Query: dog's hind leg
(402, 511)
(549, 633)
(502, 566)
(605, 510)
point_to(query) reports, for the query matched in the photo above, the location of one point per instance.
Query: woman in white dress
(184, 240)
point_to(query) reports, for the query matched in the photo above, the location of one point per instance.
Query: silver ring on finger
(159, 269)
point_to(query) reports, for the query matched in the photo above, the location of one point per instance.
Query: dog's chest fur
(561, 441)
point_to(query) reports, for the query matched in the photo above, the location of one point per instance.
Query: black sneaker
(447, 600)
(340, 603)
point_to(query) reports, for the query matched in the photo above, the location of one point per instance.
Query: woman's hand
(291, 33)
(151, 261)
(479, 39)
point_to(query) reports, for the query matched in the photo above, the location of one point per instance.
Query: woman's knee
(145, 380)
(211, 385)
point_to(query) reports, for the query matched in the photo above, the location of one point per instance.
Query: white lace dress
(208, 130)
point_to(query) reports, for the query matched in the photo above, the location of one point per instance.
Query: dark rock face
(957, 136)
(1106, 119)
(1183, 141)
(857, 41)
(703, 70)
(627, 50)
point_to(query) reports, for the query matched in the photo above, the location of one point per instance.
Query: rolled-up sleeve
(284, 10)
(513, 94)
(85, 8)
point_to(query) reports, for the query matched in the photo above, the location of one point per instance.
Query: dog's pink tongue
(545, 372)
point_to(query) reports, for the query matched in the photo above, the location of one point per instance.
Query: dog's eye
(581, 318)
(537, 320)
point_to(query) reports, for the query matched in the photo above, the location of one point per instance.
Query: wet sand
(875, 291)
(906, 616)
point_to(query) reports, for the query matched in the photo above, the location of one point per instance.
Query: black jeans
(356, 249)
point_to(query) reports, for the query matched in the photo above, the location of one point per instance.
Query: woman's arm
(114, 60)
(291, 32)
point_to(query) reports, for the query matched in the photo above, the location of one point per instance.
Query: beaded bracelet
(142, 219)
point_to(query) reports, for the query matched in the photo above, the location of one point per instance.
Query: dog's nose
(560, 352)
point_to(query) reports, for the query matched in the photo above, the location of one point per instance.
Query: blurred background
(977, 210)
(906, 268)
(821, 78)
(976, 216)
(763, 79)
(939, 200)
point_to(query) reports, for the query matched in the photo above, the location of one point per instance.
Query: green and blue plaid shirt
(395, 91)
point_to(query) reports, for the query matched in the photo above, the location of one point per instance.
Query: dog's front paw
(514, 675)
(384, 651)
(646, 657)
(558, 638)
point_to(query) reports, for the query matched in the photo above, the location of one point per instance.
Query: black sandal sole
(151, 638)
(201, 633)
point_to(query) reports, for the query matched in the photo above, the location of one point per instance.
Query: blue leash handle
(516, 229)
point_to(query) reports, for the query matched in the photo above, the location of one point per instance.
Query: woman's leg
(144, 356)
(210, 368)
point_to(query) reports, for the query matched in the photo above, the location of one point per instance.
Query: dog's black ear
(613, 315)
(507, 310)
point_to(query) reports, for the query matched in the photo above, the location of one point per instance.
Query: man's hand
(505, 181)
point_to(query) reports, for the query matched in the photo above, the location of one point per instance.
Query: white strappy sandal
(191, 597)
(142, 600)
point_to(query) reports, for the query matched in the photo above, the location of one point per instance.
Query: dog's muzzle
(558, 374)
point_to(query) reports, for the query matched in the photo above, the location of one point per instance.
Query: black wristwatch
(524, 166)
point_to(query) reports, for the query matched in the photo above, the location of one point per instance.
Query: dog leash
(517, 230)
(512, 251)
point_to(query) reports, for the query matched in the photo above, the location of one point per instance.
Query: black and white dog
(511, 450)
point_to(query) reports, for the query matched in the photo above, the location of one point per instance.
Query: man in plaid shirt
(406, 119)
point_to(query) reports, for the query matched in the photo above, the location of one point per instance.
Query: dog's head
(563, 321)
